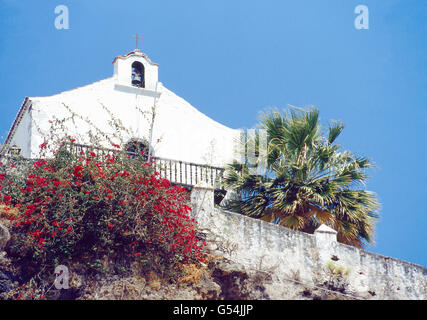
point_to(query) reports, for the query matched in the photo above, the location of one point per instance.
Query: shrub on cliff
(84, 207)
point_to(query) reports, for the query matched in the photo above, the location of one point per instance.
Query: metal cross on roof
(136, 37)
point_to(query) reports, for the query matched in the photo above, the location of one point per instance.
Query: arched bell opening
(138, 75)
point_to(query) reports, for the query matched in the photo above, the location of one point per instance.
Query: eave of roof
(15, 124)
(137, 53)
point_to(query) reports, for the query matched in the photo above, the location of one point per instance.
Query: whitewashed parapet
(202, 200)
(312, 259)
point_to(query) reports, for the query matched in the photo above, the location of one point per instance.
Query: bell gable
(136, 70)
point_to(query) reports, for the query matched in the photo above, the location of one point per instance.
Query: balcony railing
(176, 171)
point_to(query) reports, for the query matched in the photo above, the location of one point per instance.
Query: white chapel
(148, 113)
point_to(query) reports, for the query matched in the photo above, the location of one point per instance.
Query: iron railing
(176, 171)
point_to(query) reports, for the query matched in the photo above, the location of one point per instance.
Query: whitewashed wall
(22, 136)
(293, 255)
(180, 131)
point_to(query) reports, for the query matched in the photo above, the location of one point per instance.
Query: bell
(136, 78)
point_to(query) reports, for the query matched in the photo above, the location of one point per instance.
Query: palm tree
(308, 181)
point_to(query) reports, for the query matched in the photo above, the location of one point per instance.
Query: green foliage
(309, 181)
(339, 271)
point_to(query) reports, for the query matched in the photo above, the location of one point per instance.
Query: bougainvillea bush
(86, 207)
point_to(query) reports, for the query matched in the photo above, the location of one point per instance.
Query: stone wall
(312, 260)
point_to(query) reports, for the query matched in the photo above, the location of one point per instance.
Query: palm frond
(309, 181)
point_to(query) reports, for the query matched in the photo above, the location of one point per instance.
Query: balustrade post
(180, 171)
(202, 200)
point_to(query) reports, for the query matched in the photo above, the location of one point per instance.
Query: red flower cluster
(95, 204)
(77, 172)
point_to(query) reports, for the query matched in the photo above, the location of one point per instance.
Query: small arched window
(137, 148)
(138, 75)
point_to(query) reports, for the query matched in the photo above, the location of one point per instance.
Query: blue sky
(232, 59)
